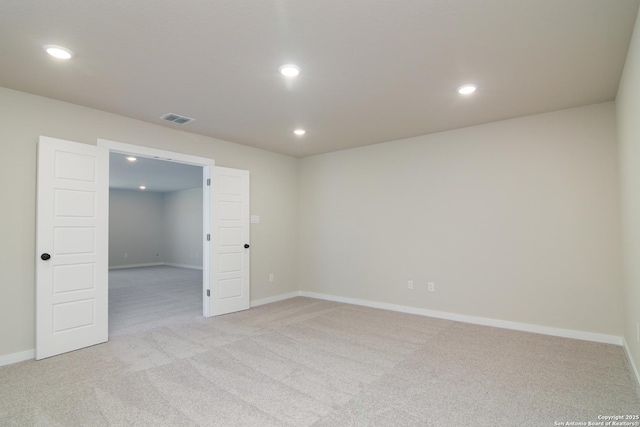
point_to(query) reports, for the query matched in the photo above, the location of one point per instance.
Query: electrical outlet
(432, 287)
(271, 277)
(410, 284)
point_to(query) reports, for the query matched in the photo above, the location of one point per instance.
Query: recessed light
(58, 51)
(131, 158)
(299, 132)
(142, 187)
(467, 89)
(289, 70)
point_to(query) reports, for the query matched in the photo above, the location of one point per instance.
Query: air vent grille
(175, 118)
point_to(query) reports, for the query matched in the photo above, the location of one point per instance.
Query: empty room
(415, 213)
(155, 242)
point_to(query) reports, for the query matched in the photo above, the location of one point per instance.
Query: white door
(230, 241)
(72, 246)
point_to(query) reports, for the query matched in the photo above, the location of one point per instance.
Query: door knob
(246, 246)
(45, 256)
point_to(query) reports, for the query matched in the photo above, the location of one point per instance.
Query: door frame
(209, 219)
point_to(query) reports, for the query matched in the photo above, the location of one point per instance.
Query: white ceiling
(372, 70)
(157, 175)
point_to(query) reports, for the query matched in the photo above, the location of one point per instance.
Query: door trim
(207, 220)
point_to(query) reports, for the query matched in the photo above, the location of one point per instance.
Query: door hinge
(208, 237)
(208, 293)
(208, 181)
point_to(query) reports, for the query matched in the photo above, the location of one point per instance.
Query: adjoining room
(155, 242)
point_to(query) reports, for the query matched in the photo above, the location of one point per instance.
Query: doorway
(72, 224)
(179, 159)
(155, 243)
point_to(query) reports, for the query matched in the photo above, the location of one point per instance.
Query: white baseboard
(194, 267)
(9, 359)
(155, 264)
(545, 330)
(276, 298)
(149, 264)
(633, 365)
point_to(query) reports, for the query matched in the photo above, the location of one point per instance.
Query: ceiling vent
(181, 120)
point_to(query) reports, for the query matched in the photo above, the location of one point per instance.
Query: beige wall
(24, 117)
(628, 118)
(515, 220)
(136, 228)
(182, 229)
(147, 227)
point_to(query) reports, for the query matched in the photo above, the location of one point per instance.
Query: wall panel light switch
(255, 219)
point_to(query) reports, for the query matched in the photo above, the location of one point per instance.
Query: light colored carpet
(306, 362)
(147, 297)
